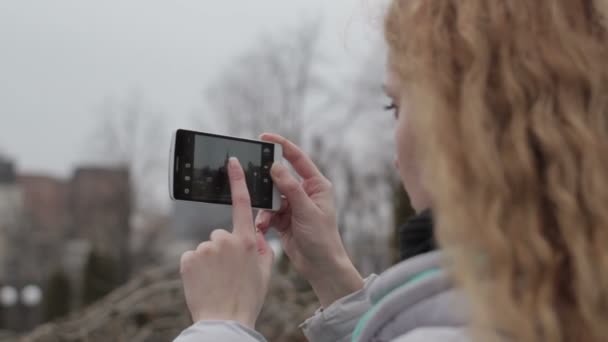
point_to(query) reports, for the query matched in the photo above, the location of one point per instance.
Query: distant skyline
(60, 59)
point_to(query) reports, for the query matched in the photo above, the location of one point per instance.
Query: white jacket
(410, 302)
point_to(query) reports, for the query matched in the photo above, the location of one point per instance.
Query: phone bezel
(174, 166)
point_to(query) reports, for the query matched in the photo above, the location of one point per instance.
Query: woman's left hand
(227, 277)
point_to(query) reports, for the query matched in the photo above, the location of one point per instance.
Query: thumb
(265, 255)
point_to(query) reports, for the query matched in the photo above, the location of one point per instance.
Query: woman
(502, 129)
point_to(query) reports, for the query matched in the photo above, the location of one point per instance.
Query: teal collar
(376, 305)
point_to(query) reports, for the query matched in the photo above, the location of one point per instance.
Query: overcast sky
(59, 59)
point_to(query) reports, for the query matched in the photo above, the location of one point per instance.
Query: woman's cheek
(403, 144)
(405, 156)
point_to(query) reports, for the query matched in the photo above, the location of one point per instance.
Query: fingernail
(233, 162)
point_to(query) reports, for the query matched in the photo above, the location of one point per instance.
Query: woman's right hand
(307, 226)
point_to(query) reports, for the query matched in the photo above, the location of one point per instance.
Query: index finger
(300, 161)
(242, 216)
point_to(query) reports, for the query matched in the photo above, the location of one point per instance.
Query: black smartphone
(198, 168)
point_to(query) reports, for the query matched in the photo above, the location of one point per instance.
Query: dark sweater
(416, 236)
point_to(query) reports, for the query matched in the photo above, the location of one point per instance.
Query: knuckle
(201, 246)
(219, 235)
(205, 248)
(292, 187)
(249, 244)
(226, 241)
(241, 199)
(185, 261)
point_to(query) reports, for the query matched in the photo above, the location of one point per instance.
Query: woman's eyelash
(392, 107)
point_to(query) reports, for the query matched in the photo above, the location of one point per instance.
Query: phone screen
(201, 168)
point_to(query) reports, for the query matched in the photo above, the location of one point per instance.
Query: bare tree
(129, 135)
(362, 168)
(275, 86)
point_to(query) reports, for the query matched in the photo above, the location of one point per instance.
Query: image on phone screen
(201, 168)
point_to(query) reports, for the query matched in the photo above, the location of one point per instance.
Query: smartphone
(198, 168)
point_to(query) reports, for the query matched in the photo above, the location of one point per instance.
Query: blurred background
(89, 95)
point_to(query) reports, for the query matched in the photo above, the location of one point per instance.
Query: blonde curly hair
(509, 101)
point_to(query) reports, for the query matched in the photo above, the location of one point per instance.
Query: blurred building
(18, 269)
(47, 214)
(101, 204)
(51, 226)
(10, 213)
(46, 202)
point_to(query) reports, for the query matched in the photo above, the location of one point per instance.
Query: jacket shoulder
(435, 334)
(411, 296)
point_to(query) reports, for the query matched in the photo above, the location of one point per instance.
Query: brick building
(47, 218)
(50, 225)
(101, 205)
(10, 214)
